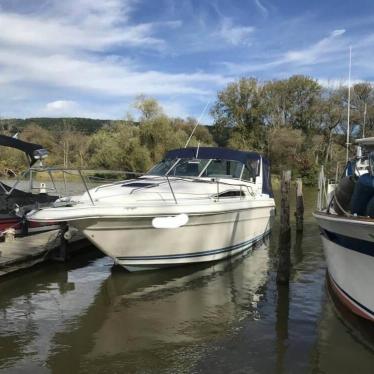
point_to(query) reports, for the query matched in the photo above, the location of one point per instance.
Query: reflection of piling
(281, 326)
(284, 260)
(299, 214)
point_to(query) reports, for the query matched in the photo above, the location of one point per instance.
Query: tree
(238, 107)
(148, 107)
(362, 98)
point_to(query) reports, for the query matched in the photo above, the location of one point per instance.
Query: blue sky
(92, 58)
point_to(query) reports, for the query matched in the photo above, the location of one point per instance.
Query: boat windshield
(223, 169)
(188, 167)
(198, 168)
(162, 167)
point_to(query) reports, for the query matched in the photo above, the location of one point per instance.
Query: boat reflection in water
(345, 341)
(144, 315)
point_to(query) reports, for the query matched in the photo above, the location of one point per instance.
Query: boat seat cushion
(362, 194)
(370, 208)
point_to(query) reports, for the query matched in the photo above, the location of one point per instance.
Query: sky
(91, 58)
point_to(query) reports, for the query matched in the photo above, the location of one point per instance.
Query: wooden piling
(61, 252)
(299, 213)
(284, 257)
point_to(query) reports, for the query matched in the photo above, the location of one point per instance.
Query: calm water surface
(229, 317)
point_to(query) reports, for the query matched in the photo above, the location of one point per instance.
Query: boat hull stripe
(211, 252)
(350, 298)
(358, 245)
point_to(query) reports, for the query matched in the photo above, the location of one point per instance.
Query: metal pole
(171, 189)
(85, 186)
(349, 101)
(363, 128)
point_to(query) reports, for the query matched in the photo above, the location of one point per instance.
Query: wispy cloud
(234, 34)
(262, 9)
(63, 49)
(99, 27)
(105, 75)
(320, 50)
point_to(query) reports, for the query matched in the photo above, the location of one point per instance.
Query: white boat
(347, 230)
(197, 205)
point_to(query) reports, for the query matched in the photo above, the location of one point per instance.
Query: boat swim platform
(25, 252)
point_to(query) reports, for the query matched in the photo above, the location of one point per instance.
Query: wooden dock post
(284, 257)
(299, 214)
(61, 252)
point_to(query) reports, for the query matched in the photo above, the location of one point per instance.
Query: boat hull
(136, 245)
(14, 222)
(349, 250)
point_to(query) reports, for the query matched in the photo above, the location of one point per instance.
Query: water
(90, 317)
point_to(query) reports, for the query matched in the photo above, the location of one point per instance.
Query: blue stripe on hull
(358, 245)
(350, 297)
(244, 245)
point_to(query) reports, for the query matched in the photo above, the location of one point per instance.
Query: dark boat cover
(28, 148)
(21, 198)
(213, 152)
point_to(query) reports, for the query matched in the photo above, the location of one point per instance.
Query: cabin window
(223, 169)
(232, 193)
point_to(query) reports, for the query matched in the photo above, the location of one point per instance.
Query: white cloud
(93, 32)
(61, 48)
(174, 108)
(110, 76)
(338, 32)
(61, 107)
(336, 83)
(71, 108)
(234, 34)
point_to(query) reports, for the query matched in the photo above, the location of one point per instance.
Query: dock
(26, 252)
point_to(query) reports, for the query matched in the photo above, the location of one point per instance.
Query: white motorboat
(197, 205)
(347, 230)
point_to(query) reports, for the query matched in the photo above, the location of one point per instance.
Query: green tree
(148, 107)
(238, 106)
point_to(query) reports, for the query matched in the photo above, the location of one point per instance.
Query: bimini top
(216, 153)
(365, 141)
(33, 151)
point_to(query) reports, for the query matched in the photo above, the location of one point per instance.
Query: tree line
(297, 123)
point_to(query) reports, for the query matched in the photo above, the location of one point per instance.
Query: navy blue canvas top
(226, 154)
(28, 148)
(213, 152)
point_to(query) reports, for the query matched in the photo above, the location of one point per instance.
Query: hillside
(84, 125)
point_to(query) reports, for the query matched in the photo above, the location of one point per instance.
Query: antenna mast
(197, 123)
(349, 99)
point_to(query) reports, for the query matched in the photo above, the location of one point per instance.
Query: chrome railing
(66, 174)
